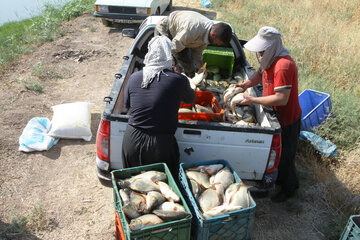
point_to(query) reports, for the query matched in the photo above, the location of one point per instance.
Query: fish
(167, 192)
(209, 169)
(230, 117)
(210, 198)
(223, 179)
(237, 99)
(241, 197)
(230, 191)
(153, 199)
(220, 210)
(171, 206)
(199, 177)
(212, 179)
(139, 184)
(131, 211)
(230, 92)
(168, 216)
(203, 109)
(185, 110)
(195, 188)
(146, 220)
(151, 175)
(139, 201)
(215, 211)
(125, 195)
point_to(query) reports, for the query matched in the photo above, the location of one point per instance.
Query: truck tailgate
(243, 150)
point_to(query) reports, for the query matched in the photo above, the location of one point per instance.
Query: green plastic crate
(221, 57)
(233, 225)
(352, 229)
(179, 229)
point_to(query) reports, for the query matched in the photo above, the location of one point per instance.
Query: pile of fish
(148, 200)
(215, 190)
(227, 94)
(197, 108)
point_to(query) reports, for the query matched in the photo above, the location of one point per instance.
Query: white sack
(72, 120)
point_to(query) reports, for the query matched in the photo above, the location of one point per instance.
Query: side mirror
(128, 32)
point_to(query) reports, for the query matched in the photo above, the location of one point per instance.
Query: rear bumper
(103, 172)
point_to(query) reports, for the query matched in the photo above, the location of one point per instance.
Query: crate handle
(229, 219)
(169, 229)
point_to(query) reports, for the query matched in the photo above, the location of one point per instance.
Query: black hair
(222, 31)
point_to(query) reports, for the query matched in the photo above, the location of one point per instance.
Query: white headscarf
(157, 59)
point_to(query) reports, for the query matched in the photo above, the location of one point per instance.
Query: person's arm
(179, 42)
(252, 81)
(280, 98)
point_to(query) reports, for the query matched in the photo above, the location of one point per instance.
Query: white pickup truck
(253, 151)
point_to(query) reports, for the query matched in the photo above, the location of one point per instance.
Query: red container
(119, 232)
(203, 98)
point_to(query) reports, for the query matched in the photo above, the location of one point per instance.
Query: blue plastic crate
(234, 225)
(352, 229)
(315, 106)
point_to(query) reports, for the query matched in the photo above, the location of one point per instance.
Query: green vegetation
(17, 38)
(322, 37)
(21, 225)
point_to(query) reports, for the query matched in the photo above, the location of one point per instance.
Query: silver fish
(241, 197)
(219, 211)
(230, 191)
(139, 201)
(210, 198)
(139, 185)
(131, 211)
(153, 199)
(223, 179)
(125, 195)
(230, 92)
(195, 188)
(209, 169)
(237, 99)
(167, 192)
(151, 175)
(168, 216)
(200, 178)
(146, 220)
(171, 206)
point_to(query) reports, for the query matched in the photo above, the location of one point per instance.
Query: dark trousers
(287, 171)
(141, 147)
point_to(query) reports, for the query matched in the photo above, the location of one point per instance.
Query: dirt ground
(62, 182)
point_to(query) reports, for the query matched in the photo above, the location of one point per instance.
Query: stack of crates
(352, 229)
(233, 225)
(174, 230)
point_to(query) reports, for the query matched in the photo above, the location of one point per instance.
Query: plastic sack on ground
(206, 3)
(72, 120)
(34, 136)
(325, 147)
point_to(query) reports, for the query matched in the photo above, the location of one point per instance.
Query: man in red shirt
(279, 76)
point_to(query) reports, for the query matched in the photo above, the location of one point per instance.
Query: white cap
(265, 37)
